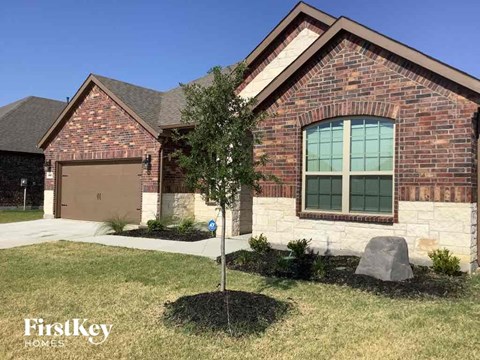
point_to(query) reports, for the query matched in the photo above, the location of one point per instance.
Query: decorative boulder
(386, 258)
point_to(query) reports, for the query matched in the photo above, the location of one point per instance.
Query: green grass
(127, 288)
(8, 216)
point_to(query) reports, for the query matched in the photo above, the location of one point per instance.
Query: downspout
(477, 135)
(160, 180)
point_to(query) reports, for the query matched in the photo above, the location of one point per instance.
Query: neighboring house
(369, 137)
(22, 124)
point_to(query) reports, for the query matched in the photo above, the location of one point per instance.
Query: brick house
(22, 124)
(368, 136)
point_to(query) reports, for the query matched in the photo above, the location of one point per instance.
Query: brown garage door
(98, 191)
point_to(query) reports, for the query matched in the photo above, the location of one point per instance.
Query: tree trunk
(223, 278)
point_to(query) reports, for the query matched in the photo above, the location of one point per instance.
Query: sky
(48, 47)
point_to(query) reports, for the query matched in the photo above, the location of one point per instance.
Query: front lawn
(7, 216)
(128, 288)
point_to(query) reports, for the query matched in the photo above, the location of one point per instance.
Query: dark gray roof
(158, 109)
(144, 102)
(174, 102)
(23, 123)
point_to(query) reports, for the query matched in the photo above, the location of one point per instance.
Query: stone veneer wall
(183, 205)
(149, 206)
(284, 58)
(48, 201)
(178, 205)
(205, 212)
(425, 226)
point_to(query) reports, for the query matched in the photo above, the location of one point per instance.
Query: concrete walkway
(208, 248)
(39, 231)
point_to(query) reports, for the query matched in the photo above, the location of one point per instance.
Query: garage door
(99, 191)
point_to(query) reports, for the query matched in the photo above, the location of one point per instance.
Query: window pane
(325, 185)
(313, 151)
(356, 203)
(386, 186)
(313, 135)
(312, 165)
(371, 194)
(323, 192)
(325, 146)
(312, 185)
(337, 202)
(312, 201)
(371, 145)
(337, 164)
(336, 185)
(357, 185)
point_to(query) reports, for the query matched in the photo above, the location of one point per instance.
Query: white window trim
(345, 173)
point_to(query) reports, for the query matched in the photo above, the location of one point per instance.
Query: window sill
(373, 219)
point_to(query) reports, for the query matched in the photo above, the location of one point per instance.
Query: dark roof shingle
(144, 102)
(158, 109)
(23, 123)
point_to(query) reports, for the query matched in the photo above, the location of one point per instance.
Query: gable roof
(154, 110)
(300, 8)
(404, 51)
(144, 102)
(141, 103)
(23, 122)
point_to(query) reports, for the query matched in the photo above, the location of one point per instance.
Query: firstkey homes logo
(95, 334)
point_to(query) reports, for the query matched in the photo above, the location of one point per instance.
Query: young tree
(220, 157)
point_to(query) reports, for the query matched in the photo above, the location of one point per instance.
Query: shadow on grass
(235, 313)
(276, 283)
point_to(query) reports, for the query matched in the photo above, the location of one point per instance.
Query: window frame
(345, 174)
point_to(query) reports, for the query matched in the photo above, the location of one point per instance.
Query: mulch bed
(340, 270)
(236, 313)
(168, 234)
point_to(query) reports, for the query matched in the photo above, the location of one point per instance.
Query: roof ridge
(99, 77)
(18, 103)
(44, 98)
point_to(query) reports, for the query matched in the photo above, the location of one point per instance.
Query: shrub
(284, 267)
(186, 225)
(444, 262)
(259, 244)
(115, 224)
(244, 258)
(318, 269)
(159, 224)
(299, 247)
(155, 225)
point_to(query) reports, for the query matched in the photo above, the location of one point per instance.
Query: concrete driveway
(38, 231)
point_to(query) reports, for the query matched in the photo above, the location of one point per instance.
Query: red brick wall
(301, 22)
(173, 174)
(15, 166)
(435, 140)
(98, 128)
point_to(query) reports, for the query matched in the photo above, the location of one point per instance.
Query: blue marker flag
(212, 225)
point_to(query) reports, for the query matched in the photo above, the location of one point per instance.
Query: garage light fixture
(147, 162)
(47, 166)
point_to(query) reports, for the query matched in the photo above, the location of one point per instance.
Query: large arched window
(348, 166)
